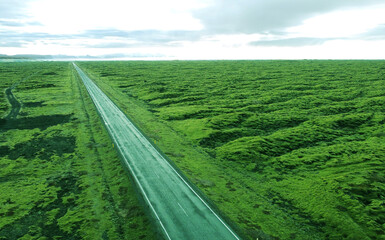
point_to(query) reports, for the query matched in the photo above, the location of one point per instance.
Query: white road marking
(188, 185)
(183, 209)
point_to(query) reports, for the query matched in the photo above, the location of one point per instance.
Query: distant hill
(3, 56)
(40, 57)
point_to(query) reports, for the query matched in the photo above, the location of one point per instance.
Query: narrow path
(177, 208)
(15, 104)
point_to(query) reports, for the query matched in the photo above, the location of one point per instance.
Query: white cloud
(75, 16)
(195, 29)
(341, 24)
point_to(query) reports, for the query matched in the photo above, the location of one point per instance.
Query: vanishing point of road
(179, 210)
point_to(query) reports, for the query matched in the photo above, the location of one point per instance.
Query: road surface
(180, 212)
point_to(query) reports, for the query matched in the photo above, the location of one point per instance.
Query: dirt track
(16, 105)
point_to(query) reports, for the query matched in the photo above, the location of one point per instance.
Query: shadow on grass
(41, 122)
(40, 147)
(33, 104)
(35, 223)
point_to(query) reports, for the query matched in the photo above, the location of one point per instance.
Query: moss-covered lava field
(284, 149)
(60, 178)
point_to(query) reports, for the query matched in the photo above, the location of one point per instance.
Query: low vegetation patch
(286, 149)
(59, 176)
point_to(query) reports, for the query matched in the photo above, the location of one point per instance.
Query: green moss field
(60, 178)
(284, 149)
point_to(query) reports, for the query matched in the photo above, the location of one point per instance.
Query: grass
(286, 149)
(60, 176)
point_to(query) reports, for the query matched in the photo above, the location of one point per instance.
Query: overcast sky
(195, 29)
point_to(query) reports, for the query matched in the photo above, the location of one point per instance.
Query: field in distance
(286, 149)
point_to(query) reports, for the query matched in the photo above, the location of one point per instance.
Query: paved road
(179, 210)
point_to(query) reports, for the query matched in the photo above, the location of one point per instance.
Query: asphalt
(178, 210)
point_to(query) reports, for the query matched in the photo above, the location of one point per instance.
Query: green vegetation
(60, 178)
(286, 149)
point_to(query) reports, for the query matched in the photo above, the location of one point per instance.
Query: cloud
(260, 16)
(11, 44)
(13, 9)
(142, 38)
(12, 39)
(11, 36)
(111, 45)
(74, 16)
(202, 28)
(8, 23)
(15, 23)
(133, 55)
(291, 42)
(99, 39)
(377, 33)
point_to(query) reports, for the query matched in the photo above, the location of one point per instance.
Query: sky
(195, 29)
